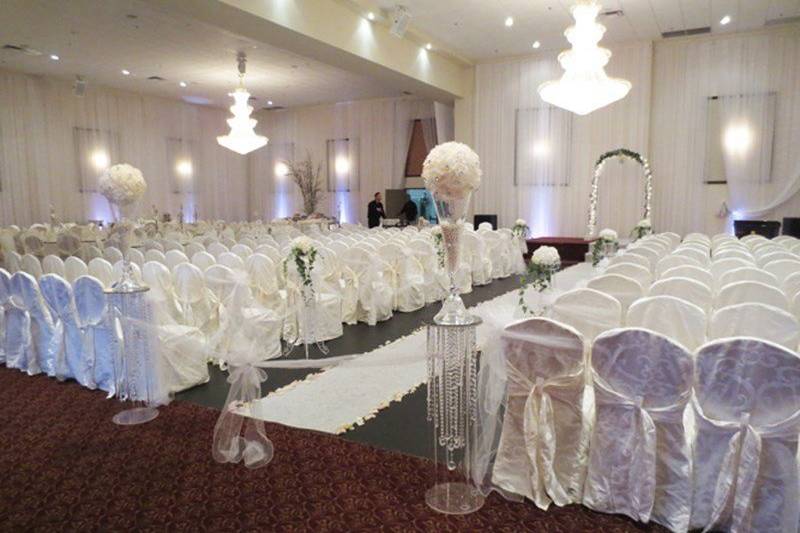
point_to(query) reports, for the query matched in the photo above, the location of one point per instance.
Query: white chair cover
(197, 303)
(174, 258)
(639, 456)
(102, 270)
(100, 343)
(69, 362)
(31, 265)
(194, 248)
(672, 317)
(751, 292)
(74, 267)
(52, 264)
(623, 288)
(641, 274)
(375, 291)
(630, 259)
(203, 260)
(409, 277)
(543, 449)
(783, 268)
(749, 274)
(5, 305)
(242, 250)
(216, 248)
(692, 272)
(112, 254)
(155, 255)
(231, 260)
(719, 267)
(747, 412)
(589, 311)
(778, 255)
(758, 321)
(43, 338)
(686, 289)
(673, 261)
(479, 261)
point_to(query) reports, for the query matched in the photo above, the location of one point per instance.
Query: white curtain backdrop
(444, 115)
(745, 72)
(53, 145)
(559, 206)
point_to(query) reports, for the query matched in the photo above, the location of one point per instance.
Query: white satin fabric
(69, 362)
(99, 336)
(747, 410)
(589, 311)
(639, 458)
(672, 317)
(543, 446)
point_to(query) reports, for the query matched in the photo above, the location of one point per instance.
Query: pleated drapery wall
(53, 145)
(665, 117)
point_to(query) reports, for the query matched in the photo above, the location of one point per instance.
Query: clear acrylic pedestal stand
(452, 411)
(132, 364)
(307, 322)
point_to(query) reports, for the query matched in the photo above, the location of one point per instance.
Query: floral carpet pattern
(65, 466)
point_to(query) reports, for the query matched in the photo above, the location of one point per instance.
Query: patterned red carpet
(65, 466)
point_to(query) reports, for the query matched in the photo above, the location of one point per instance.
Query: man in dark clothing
(375, 211)
(409, 211)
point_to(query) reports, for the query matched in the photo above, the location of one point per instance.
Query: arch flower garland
(622, 153)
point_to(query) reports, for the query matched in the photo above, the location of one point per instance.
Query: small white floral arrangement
(520, 228)
(544, 263)
(122, 184)
(606, 236)
(643, 228)
(304, 253)
(438, 242)
(452, 170)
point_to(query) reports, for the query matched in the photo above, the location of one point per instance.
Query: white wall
(38, 159)
(662, 118)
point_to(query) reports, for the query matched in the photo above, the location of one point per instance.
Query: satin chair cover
(13, 261)
(5, 305)
(69, 362)
(672, 317)
(777, 255)
(425, 253)
(542, 451)
(102, 270)
(68, 245)
(758, 321)
(783, 268)
(626, 290)
(589, 311)
(639, 456)
(198, 306)
(52, 264)
(230, 260)
(721, 266)
(409, 277)
(175, 258)
(375, 296)
(19, 349)
(43, 336)
(99, 339)
(203, 260)
(652, 256)
(30, 264)
(242, 250)
(193, 248)
(74, 267)
(639, 273)
(136, 257)
(738, 253)
(497, 248)
(112, 254)
(155, 255)
(747, 412)
(327, 311)
(749, 274)
(751, 292)
(686, 289)
(692, 272)
(216, 248)
(628, 259)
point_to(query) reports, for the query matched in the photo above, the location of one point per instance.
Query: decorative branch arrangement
(309, 179)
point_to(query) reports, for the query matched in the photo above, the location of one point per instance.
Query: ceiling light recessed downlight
(509, 22)
(269, 102)
(183, 84)
(371, 15)
(126, 72)
(725, 20)
(54, 57)
(536, 44)
(429, 46)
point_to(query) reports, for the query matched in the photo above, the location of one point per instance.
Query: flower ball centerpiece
(123, 186)
(452, 172)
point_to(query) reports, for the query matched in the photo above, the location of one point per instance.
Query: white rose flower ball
(436, 230)
(452, 170)
(122, 184)
(520, 222)
(644, 223)
(546, 255)
(302, 244)
(608, 235)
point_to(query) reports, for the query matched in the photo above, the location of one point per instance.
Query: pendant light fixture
(242, 138)
(584, 87)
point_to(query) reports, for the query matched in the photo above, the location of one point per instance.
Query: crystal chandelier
(584, 86)
(242, 138)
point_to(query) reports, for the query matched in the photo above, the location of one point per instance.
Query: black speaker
(491, 219)
(767, 228)
(791, 226)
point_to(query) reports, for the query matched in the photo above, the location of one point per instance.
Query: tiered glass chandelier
(584, 86)
(242, 138)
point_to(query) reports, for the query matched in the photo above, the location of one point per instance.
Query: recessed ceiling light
(429, 46)
(183, 84)
(725, 20)
(509, 22)
(126, 72)
(536, 44)
(371, 15)
(54, 57)
(269, 102)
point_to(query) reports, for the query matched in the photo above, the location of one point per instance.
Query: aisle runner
(343, 396)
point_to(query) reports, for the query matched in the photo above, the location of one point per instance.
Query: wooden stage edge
(572, 250)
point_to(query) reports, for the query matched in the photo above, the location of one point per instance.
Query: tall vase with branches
(308, 177)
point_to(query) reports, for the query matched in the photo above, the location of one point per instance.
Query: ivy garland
(304, 261)
(597, 252)
(622, 153)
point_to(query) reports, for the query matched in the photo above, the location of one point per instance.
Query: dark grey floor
(402, 426)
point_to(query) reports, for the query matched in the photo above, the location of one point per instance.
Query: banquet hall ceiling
(97, 39)
(475, 28)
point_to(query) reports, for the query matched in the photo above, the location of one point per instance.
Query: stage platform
(572, 250)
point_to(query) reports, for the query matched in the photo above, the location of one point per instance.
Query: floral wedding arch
(620, 153)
